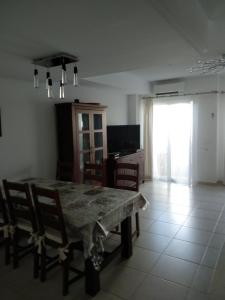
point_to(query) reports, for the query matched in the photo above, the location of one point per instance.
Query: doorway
(172, 141)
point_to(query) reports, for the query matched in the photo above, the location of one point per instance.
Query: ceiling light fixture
(61, 59)
(75, 76)
(36, 79)
(61, 90)
(50, 91)
(47, 78)
(209, 66)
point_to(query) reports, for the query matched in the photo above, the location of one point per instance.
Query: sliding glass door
(172, 139)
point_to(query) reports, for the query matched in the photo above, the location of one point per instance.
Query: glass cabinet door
(98, 137)
(83, 121)
(84, 141)
(84, 138)
(97, 121)
(90, 138)
(99, 156)
(85, 157)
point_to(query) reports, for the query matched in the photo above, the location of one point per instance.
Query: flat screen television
(124, 139)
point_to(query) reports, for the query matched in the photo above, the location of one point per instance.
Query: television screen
(123, 138)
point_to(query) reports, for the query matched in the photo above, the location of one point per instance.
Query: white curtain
(221, 138)
(194, 142)
(147, 117)
(173, 139)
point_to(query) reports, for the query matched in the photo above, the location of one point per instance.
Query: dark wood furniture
(127, 176)
(92, 276)
(52, 230)
(94, 174)
(4, 225)
(81, 131)
(134, 158)
(64, 171)
(81, 207)
(22, 221)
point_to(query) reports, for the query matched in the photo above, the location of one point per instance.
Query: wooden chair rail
(127, 166)
(94, 173)
(125, 180)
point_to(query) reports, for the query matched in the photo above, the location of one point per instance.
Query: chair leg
(137, 224)
(15, 250)
(43, 264)
(7, 251)
(35, 263)
(117, 228)
(92, 278)
(65, 266)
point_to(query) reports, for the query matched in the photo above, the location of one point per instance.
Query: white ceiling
(154, 40)
(215, 9)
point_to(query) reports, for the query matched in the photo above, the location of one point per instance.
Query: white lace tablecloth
(91, 211)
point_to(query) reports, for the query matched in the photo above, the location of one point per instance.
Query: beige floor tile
(152, 242)
(142, 259)
(175, 269)
(185, 250)
(158, 289)
(122, 281)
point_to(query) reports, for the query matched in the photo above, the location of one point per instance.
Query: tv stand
(135, 158)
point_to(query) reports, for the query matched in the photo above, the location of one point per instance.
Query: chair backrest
(94, 174)
(49, 212)
(3, 212)
(19, 203)
(64, 171)
(127, 176)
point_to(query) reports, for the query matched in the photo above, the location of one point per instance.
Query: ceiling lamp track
(61, 59)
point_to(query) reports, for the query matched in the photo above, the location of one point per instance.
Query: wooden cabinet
(135, 158)
(81, 132)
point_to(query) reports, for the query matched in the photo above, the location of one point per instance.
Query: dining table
(90, 213)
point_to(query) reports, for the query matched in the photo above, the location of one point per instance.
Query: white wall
(133, 109)
(28, 142)
(126, 81)
(200, 84)
(207, 146)
(28, 131)
(114, 99)
(207, 138)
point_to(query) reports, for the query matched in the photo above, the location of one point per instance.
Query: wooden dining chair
(52, 232)
(4, 228)
(127, 178)
(94, 174)
(22, 222)
(64, 171)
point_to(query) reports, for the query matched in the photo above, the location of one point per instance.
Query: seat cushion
(25, 225)
(55, 236)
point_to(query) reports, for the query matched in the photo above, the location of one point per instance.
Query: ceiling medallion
(209, 66)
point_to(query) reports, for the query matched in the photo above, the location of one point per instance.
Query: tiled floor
(180, 253)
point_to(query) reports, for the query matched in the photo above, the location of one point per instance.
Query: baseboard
(219, 182)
